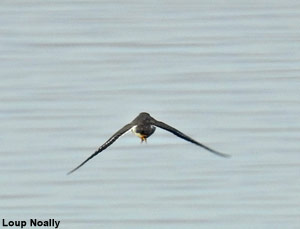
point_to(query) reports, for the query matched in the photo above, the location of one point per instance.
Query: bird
(144, 126)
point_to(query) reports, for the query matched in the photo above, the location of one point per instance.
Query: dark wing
(110, 141)
(185, 137)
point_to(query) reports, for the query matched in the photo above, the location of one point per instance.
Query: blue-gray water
(226, 73)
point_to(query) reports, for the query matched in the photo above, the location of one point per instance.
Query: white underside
(133, 129)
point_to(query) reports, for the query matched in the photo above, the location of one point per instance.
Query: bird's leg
(143, 139)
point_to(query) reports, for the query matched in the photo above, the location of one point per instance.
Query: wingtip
(73, 170)
(222, 154)
(218, 153)
(226, 155)
(68, 173)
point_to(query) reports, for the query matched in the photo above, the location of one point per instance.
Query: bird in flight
(143, 126)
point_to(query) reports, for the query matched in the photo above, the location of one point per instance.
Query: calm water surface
(227, 74)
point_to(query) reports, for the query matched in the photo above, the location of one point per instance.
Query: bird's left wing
(110, 141)
(185, 137)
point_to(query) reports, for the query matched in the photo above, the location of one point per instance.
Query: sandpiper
(143, 126)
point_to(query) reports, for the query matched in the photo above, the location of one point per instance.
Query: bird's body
(144, 126)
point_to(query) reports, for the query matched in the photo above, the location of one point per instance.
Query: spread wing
(110, 141)
(185, 137)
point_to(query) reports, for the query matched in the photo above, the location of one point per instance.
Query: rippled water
(227, 74)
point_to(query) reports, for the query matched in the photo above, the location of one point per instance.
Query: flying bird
(144, 126)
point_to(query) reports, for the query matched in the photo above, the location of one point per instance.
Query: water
(227, 74)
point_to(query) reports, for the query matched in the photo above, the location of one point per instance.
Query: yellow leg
(143, 139)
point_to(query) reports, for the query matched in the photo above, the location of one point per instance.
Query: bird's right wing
(185, 137)
(110, 141)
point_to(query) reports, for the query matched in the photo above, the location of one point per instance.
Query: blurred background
(224, 72)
